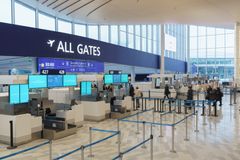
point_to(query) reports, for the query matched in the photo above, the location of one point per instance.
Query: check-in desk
(24, 126)
(63, 95)
(95, 110)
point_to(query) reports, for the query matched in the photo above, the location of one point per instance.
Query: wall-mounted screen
(86, 88)
(24, 95)
(117, 78)
(14, 94)
(124, 78)
(37, 81)
(69, 80)
(157, 83)
(55, 80)
(108, 79)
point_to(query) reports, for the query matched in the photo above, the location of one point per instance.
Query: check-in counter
(127, 103)
(24, 126)
(73, 116)
(95, 110)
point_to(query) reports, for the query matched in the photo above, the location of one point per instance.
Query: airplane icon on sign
(50, 42)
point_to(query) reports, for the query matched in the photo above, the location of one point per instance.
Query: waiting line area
(147, 134)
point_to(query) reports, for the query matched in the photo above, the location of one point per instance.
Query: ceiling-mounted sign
(70, 65)
(73, 48)
(170, 43)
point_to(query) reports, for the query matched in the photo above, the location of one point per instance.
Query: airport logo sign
(68, 47)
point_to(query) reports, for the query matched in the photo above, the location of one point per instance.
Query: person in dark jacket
(131, 91)
(219, 96)
(190, 93)
(166, 92)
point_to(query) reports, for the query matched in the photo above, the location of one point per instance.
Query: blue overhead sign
(25, 41)
(70, 65)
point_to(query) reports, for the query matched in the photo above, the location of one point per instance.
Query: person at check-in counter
(131, 91)
(138, 94)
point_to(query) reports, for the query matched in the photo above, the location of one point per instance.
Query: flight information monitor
(55, 80)
(69, 80)
(124, 78)
(14, 94)
(24, 95)
(108, 79)
(37, 81)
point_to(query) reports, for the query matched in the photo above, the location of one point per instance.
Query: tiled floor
(218, 140)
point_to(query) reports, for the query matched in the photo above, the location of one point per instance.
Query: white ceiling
(222, 13)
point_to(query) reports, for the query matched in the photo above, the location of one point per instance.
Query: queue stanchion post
(50, 149)
(230, 96)
(173, 139)
(137, 132)
(134, 106)
(204, 120)
(161, 126)
(119, 142)
(144, 125)
(90, 142)
(12, 146)
(196, 121)
(235, 96)
(82, 152)
(186, 127)
(155, 105)
(159, 106)
(203, 108)
(142, 103)
(151, 129)
(145, 101)
(153, 118)
(210, 107)
(151, 147)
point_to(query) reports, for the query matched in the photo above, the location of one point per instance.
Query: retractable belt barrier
(120, 156)
(83, 147)
(28, 149)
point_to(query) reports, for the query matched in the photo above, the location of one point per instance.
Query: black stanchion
(158, 106)
(149, 94)
(203, 109)
(11, 137)
(145, 100)
(142, 103)
(134, 106)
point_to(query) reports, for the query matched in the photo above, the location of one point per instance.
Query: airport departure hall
(119, 79)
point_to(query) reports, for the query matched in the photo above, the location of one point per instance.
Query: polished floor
(219, 139)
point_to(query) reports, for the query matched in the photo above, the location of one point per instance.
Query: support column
(162, 70)
(34, 65)
(237, 54)
(133, 74)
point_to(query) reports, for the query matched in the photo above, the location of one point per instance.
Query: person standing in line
(131, 91)
(166, 93)
(138, 94)
(219, 95)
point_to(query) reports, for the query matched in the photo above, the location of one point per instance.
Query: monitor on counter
(117, 78)
(37, 81)
(108, 79)
(24, 93)
(69, 80)
(86, 88)
(124, 78)
(55, 81)
(14, 94)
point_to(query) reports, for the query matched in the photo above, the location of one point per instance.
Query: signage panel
(70, 65)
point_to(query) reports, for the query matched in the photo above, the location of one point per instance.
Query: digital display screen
(55, 80)
(69, 80)
(37, 81)
(108, 78)
(117, 78)
(86, 88)
(124, 78)
(24, 95)
(71, 66)
(14, 94)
